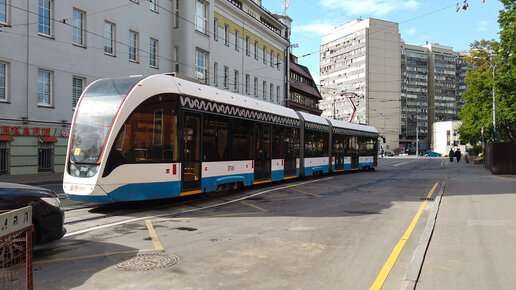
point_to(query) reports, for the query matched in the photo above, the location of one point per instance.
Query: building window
(216, 29)
(78, 27)
(44, 16)
(255, 49)
(153, 53)
(133, 46)
(3, 11)
(256, 87)
(264, 54)
(77, 88)
(247, 84)
(236, 81)
(226, 77)
(237, 38)
(247, 45)
(175, 51)
(109, 38)
(201, 19)
(153, 5)
(3, 82)
(215, 74)
(44, 87)
(226, 34)
(45, 157)
(271, 92)
(176, 14)
(264, 95)
(278, 61)
(201, 69)
(277, 95)
(271, 58)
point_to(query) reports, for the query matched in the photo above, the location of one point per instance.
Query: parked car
(389, 153)
(47, 213)
(433, 154)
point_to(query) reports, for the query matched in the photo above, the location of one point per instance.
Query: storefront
(30, 150)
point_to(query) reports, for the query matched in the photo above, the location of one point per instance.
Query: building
(51, 50)
(445, 136)
(303, 94)
(360, 63)
(401, 91)
(414, 97)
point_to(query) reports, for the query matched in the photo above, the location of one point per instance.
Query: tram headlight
(74, 170)
(92, 171)
(83, 170)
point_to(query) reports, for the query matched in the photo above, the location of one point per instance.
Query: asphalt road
(343, 231)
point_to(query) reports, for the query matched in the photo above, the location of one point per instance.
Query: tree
(477, 112)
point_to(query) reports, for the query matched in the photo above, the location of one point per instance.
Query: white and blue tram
(155, 137)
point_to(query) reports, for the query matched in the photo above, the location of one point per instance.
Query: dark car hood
(15, 188)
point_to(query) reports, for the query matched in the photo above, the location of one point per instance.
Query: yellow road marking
(255, 206)
(154, 237)
(378, 283)
(304, 192)
(190, 192)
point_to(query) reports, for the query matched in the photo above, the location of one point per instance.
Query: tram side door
(191, 169)
(262, 154)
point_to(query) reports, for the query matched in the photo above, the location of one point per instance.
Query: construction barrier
(16, 249)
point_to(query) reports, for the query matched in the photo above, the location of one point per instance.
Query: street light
(492, 65)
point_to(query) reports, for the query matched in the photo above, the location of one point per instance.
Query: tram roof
(314, 118)
(352, 126)
(221, 96)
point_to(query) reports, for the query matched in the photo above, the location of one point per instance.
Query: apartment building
(414, 97)
(360, 67)
(401, 91)
(51, 50)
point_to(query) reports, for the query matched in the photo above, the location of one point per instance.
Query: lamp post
(495, 133)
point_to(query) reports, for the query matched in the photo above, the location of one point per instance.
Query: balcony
(239, 5)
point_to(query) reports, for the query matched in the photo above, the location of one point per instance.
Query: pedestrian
(457, 155)
(466, 156)
(451, 155)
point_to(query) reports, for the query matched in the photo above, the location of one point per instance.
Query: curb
(414, 269)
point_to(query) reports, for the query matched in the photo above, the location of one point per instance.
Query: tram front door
(262, 154)
(191, 171)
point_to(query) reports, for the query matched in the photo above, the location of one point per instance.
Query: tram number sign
(231, 168)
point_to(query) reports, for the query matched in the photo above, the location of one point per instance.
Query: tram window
(278, 148)
(148, 135)
(242, 139)
(292, 142)
(316, 144)
(370, 146)
(215, 138)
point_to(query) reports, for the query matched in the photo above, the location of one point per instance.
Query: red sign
(482, 131)
(64, 133)
(25, 131)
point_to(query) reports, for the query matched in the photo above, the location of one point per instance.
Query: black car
(47, 214)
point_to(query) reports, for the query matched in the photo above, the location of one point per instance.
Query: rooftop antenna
(285, 4)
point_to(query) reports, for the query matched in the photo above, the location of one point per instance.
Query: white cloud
(368, 8)
(320, 29)
(482, 25)
(411, 31)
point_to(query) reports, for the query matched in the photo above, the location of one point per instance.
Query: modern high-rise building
(399, 88)
(360, 66)
(51, 50)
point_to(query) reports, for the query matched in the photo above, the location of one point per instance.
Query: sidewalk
(473, 242)
(34, 179)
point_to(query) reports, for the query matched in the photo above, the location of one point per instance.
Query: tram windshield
(95, 116)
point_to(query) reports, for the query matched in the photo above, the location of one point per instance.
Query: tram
(154, 137)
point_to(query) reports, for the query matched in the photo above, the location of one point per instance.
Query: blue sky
(420, 21)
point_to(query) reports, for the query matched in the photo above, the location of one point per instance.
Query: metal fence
(500, 158)
(45, 159)
(16, 249)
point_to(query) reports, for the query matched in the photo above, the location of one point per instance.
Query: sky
(419, 21)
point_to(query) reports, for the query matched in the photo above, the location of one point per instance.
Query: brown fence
(500, 158)
(16, 249)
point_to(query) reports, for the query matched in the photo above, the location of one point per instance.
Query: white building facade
(51, 50)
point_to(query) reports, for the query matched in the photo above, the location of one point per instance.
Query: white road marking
(191, 210)
(403, 163)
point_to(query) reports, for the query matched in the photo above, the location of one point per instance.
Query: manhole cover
(147, 262)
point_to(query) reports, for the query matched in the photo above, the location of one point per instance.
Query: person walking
(451, 155)
(466, 156)
(457, 155)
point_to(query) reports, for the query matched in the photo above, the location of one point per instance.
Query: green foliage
(478, 110)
